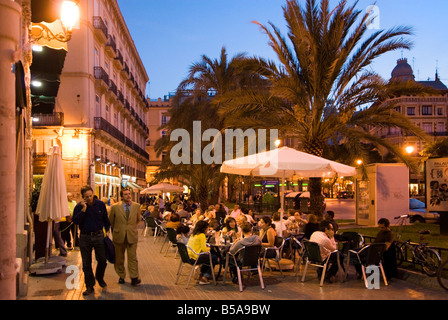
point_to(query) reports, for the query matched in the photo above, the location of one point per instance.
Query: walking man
(124, 218)
(91, 216)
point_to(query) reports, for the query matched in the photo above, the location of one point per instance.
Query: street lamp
(69, 17)
(409, 149)
(277, 143)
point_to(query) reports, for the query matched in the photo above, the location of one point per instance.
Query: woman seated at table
(267, 235)
(197, 216)
(231, 230)
(311, 226)
(209, 214)
(198, 242)
(279, 225)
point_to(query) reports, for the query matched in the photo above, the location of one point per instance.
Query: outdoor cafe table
(221, 249)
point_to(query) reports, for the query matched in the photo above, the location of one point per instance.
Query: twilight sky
(172, 34)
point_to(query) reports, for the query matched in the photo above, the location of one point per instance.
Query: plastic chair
(245, 260)
(172, 240)
(278, 248)
(370, 255)
(185, 259)
(312, 257)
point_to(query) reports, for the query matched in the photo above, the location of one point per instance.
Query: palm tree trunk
(316, 198)
(203, 196)
(315, 186)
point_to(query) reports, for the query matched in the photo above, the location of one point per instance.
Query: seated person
(231, 229)
(389, 262)
(198, 242)
(311, 226)
(325, 239)
(174, 221)
(247, 240)
(197, 216)
(183, 233)
(267, 235)
(276, 221)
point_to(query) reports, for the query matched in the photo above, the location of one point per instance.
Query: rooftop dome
(402, 71)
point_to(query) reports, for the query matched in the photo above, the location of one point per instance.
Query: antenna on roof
(437, 67)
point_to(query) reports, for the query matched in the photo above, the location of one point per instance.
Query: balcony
(55, 119)
(119, 61)
(103, 125)
(101, 80)
(111, 45)
(120, 97)
(113, 88)
(100, 29)
(125, 70)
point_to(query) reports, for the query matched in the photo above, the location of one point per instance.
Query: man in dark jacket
(91, 216)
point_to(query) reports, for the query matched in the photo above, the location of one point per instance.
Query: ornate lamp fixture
(61, 29)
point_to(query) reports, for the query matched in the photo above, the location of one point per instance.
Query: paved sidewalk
(158, 274)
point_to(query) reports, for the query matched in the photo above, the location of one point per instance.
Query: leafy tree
(322, 80)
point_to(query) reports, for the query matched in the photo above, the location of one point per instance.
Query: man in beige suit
(124, 218)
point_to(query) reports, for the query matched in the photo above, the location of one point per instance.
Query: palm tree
(207, 79)
(323, 80)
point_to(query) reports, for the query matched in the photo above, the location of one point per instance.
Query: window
(97, 58)
(165, 120)
(426, 110)
(107, 113)
(98, 106)
(441, 128)
(427, 127)
(411, 111)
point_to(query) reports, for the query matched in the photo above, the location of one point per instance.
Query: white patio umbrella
(52, 204)
(285, 163)
(162, 188)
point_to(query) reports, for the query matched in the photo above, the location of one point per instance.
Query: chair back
(171, 234)
(375, 253)
(279, 242)
(250, 255)
(183, 252)
(354, 240)
(312, 251)
(150, 222)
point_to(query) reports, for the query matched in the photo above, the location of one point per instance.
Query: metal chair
(277, 248)
(369, 255)
(185, 259)
(172, 240)
(160, 229)
(350, 240)
(312, 257)
(245, 260)
(149, 225)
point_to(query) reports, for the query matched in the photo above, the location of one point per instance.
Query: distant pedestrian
(91, 216)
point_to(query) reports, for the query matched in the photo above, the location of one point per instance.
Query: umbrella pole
(47, 247)
(282, 200)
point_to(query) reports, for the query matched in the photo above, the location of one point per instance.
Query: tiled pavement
(158, 274)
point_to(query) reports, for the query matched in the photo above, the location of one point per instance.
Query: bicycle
(423, 255)
(442, 275)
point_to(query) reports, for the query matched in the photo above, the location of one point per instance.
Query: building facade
(157, 116)
(430, 113)
(99, 116)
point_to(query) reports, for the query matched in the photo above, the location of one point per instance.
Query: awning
(134, 185)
